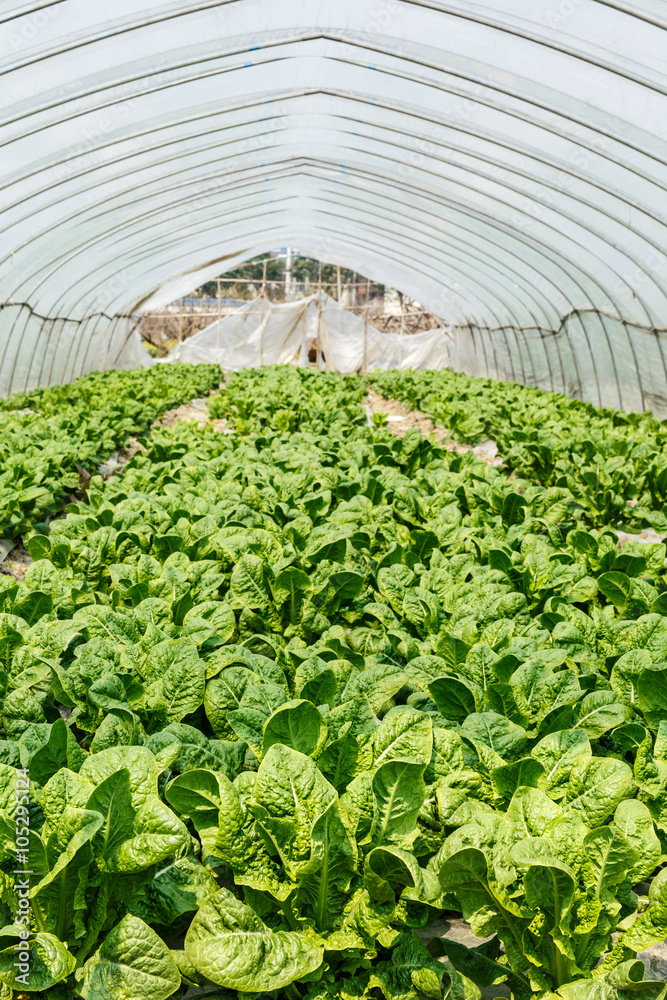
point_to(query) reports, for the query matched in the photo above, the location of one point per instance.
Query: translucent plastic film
(504, 162)
(286, 333)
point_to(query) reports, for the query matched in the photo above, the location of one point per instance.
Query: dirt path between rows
(400, 418)
(195, 410)
(15, 561)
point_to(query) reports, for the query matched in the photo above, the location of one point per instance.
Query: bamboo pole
(288, 276)
(217, 350)
(400, 356)
(261, 319)
(319, 315)
(340, 288)
(368, 305)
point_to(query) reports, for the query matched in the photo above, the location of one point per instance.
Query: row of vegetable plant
(45, 434)
(614, 463)
(289, 695)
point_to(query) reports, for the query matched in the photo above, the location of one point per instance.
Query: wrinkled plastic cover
(502, 161)
(282, 334)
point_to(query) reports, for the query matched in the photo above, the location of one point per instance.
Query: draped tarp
(283, 333)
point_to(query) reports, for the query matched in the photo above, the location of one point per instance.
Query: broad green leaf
(140, 763)
(49, 963)
(8, 806)
(395, 866)
(130, 839)
(465, 875)
(182, 680)
(409, 973)
(291, 795)
(75, 830)
(526, 772)
(650, 927)
(539, 690)
(480, 968)
(601, 711)
(229, 944)
(357, 712)
(60, 750)
(112, 799)
(596, 787)
(248, 587)
(503, 736)
(652, 694)
(549, 887)
(454, 698)
(377, 684)
(296, 724)
(193, 750)
(616, 587)
(532, 811)
(633, 819)
(290, 588)
(132, 961)
(197, 796)
(398, 795)
(558, 752)
(248, 725)
(610, 855)
(513, 511)
(178, 890)
(325, 887)
(346, 757)
(625, 674)
(403, 734)
(320, 689)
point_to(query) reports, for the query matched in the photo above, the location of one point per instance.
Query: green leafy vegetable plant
(288, 696)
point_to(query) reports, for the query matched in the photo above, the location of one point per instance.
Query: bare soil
(195, 410)
(400, 418)
(17, 563)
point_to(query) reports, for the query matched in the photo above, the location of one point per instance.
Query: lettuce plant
(289, 695)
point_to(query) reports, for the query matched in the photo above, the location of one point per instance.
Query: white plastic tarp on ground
(282, 333)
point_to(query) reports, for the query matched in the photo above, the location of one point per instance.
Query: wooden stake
(368, 305)
(217, 351)
(261, 317)
(319, 316)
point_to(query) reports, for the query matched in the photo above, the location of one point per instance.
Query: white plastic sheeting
(503, 162)
(244, 339)
(349, 346)
(282, 334)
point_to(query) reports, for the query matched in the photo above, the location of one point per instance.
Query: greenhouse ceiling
(504, 162)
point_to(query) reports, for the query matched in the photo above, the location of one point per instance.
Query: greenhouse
(333, 500)
(504, 164)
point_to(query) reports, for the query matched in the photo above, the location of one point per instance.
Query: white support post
(261, 317)
(319, 316)
(288, 276)
(217, 350)
(368, 305)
